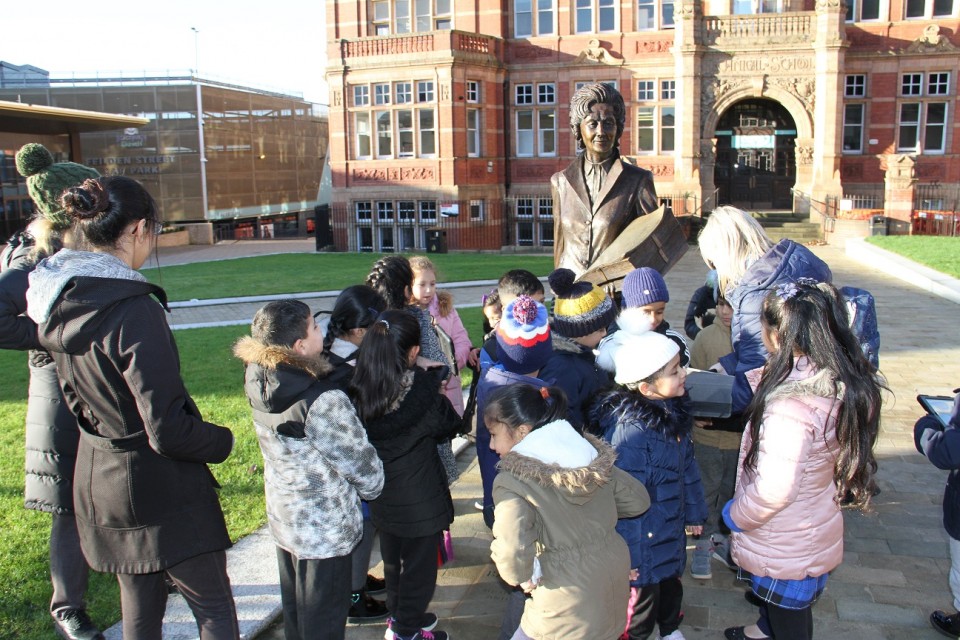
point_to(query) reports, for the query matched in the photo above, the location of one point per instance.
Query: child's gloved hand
(926, 428)
(954, 420)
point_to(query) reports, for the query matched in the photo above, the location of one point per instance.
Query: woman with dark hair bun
(146, 503)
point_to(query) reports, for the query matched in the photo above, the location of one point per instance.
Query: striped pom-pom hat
(580, 308)
(523, 336)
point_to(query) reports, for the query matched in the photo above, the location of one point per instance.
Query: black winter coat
(415, 500)
(145, 499)
(51, 431)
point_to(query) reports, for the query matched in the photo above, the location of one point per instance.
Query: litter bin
(436, 240)
(878, 226)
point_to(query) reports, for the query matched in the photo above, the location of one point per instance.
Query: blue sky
(274, 44)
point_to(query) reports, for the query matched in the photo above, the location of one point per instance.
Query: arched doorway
(756, 158)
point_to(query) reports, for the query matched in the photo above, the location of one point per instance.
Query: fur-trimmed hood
(563, 344)
(670, 416)
(540, 460)
(277, 376)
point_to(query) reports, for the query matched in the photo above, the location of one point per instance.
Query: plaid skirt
(786, 594)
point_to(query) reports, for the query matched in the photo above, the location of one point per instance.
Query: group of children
(593, 467)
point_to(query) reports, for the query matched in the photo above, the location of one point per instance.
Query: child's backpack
(862, 309)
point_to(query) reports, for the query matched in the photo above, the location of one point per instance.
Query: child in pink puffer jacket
(813, 424)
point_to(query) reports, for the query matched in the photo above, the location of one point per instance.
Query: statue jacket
(582, 232)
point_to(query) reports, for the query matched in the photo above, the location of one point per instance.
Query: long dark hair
(381, 362)
(515, 404)
(102, 208)
(811, 320)
(357, 307)
(392, 278)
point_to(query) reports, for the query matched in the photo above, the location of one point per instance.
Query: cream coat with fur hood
(787, 506)
(318, 463)
(558, 497)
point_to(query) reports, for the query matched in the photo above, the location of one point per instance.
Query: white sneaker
(676, 635)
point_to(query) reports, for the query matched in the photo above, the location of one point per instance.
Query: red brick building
(450, 116)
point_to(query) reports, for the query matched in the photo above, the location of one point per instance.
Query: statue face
(599, 132)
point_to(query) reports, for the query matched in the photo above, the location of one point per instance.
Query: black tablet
(940, 407)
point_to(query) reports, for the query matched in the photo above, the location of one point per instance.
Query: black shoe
(375, 586)
(75, 624)
(363, 608)
(947, 625)
(736, 633)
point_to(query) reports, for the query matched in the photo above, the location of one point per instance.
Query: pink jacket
(452, 324)
(787, 506)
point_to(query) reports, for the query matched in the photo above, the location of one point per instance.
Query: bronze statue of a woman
(599, 194)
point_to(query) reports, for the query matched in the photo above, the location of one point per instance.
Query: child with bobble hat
(647, 422)
(646, 290)
(581, 314)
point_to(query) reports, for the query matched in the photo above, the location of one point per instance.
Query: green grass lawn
(215, 380)
(300, 272)
(936, 252)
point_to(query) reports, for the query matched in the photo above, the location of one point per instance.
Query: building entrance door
(755, 167)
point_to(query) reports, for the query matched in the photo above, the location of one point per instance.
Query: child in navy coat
(942, 448)
(648, 423)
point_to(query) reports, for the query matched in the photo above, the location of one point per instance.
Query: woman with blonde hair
(749, 264)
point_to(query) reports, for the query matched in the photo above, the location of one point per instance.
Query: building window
(385, 211)
(473, 132)
(525, 133)
(362, 126)
(863, 10)
(476, 210)
(646, 138)
(534, 222)
(361, 95)
(404, 92)
(473, 91)
(523, 94)
(405, 133)
(938, 84)
(595, 16)
(922, 127)
(406, 211)
(911, 84)
(381, 94)
(654, 14)
(428, 211)
(532, 17)
(546, 132)
(394, 16)
(610, 83)
(645, 91)
(667, 128)
(425, 91)
(855, 86)
(546, 93)
(384, 134)
(428, 133)
(853, 128)
(929, 8)
(668, 89)
(364, 211)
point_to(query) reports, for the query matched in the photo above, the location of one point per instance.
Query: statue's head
(589, 95)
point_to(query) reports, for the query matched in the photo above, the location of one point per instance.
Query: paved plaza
(895, 564)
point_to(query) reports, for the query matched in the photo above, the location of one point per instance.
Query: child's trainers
(676, 635)
(700, 566)
(427, 635)
(721, 550)
(431, 619)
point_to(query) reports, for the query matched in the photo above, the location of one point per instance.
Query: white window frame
(473, 91)
(668, 89)
(402, 133)
(546, 133)
(666, 110)
(851, 125)
(911, 84)
(473, 133)
(360, 134)
(424, 207)
(381, 94)
(424, 149)
(928, 10)
(589, 15)
(425, 92)
(646, 91)
(855, 85)
(403, 92)
(385, 211)
(938, 83)
(363, 211)
(855, 11)
(649, 125)
(523, 93)
(928, 127)
(378, 117)
(546, 93)
(526, 136)
(476, 210)
(914, 124)
(361, 95)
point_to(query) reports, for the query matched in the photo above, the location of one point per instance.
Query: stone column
(686, 55)
(829, 50)
(899, 182)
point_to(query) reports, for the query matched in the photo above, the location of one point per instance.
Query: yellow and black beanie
(579, 308)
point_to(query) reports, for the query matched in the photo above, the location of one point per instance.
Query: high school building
(448, 117)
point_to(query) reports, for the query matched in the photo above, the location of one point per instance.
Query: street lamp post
(196, 51)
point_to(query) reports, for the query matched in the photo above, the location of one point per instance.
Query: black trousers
(315, 595)
(410, 570)
(68, 568)
(786, 624)
(203, 583)
(657, 604)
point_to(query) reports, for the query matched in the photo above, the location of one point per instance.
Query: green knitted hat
(47, 180)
